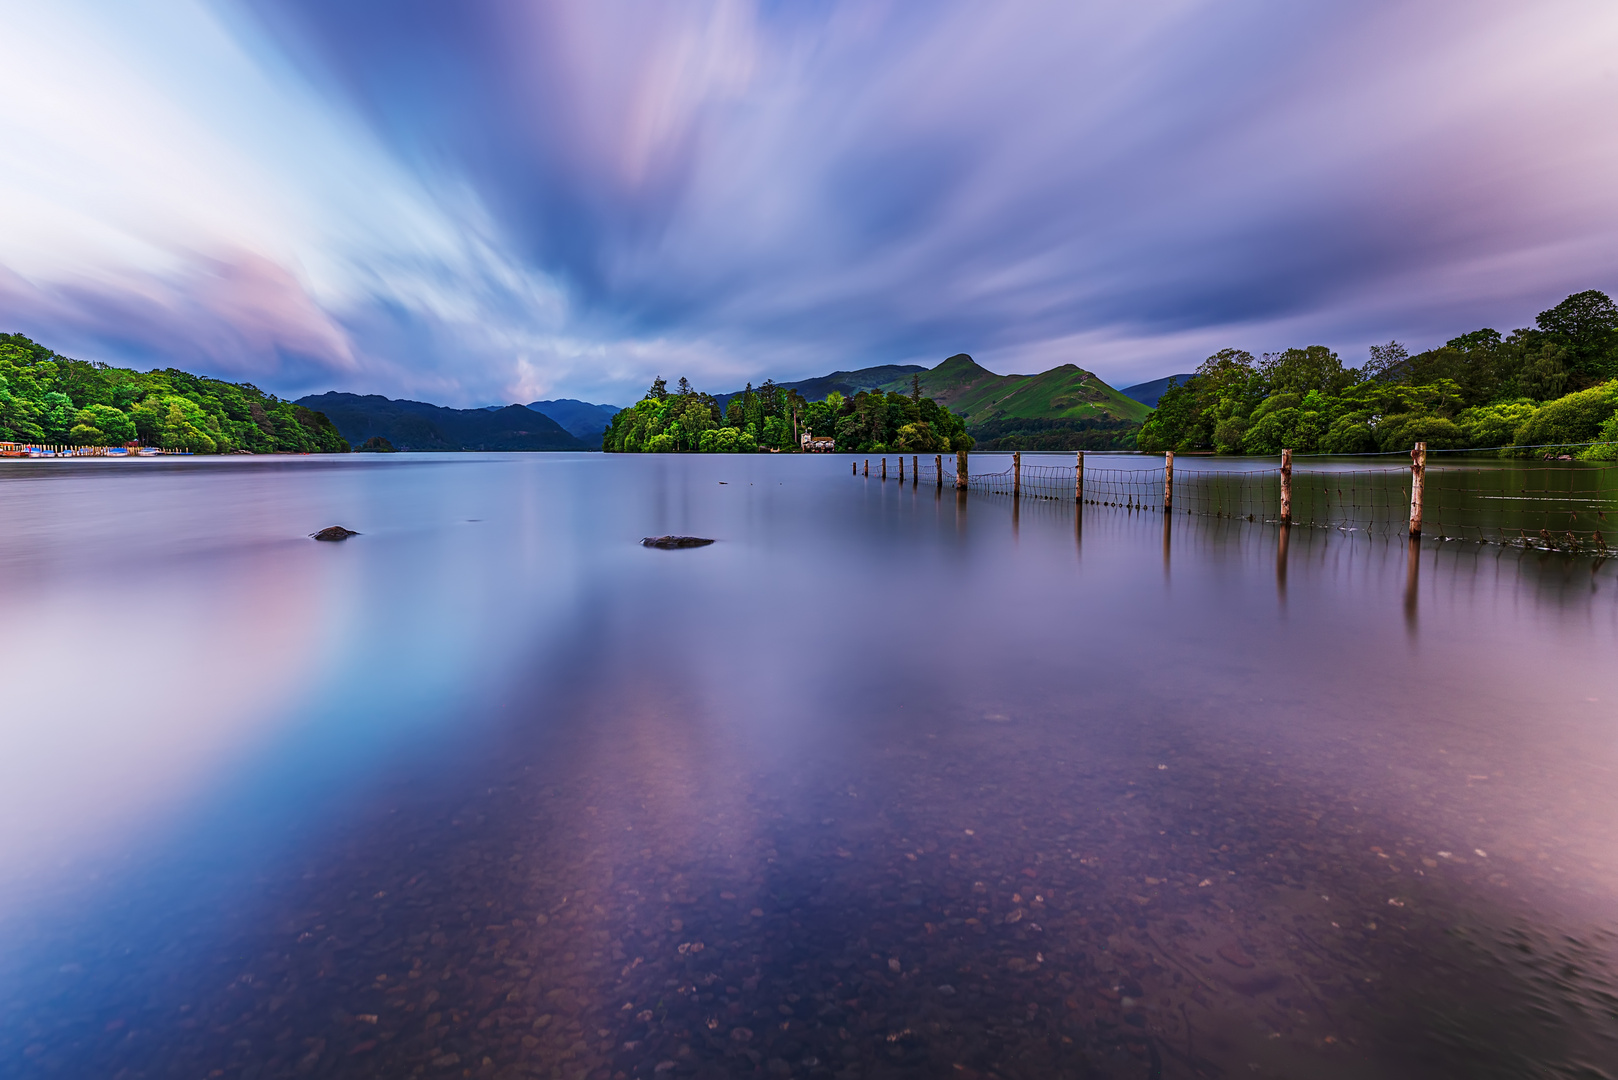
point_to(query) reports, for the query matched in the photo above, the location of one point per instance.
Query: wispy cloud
(485, 201)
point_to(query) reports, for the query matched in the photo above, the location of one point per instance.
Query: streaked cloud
(486, 201)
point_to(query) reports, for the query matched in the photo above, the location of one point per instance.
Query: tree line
(773, 418)
(1550, 387)
(49, 398)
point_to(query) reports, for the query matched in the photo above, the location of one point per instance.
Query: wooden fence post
(938, 468)
(1168, 482)
(1078, 479)
(853, 468)
(1286, 487)
(1016, 474)
(884, 468)
(901, 468)
(1418, 477)
(867, 466)
(915, 469)
(960, 470)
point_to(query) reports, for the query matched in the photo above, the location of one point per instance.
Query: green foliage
(1586, 325)
(1544, 385)
(376, 444)
(1056, 433)
(771, 418)
(45, 397)
(1577, 418)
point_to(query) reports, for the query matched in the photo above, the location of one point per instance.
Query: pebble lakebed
(967, 903)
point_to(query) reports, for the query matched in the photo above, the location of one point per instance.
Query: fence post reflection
(1412, 581)
(1282, 540)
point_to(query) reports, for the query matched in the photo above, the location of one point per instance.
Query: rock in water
(334, 532)
(675, 541)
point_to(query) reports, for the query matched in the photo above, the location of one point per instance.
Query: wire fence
(1570, 506)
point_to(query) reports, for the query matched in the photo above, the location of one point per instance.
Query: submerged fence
(1571, 507)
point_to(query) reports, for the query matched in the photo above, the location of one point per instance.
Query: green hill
(49, 398)
(1065, 408)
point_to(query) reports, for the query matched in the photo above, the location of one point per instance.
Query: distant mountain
(1147, 393)
(415, 425)
(1064, 408)
(1067, 392)
(582, 420)
(847, 383)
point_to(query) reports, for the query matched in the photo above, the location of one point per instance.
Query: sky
(491, 201)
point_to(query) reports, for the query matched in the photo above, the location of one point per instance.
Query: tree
(915, 388)
(1299, 371)
(1586, 324)
(1386, 363)
(1584, 319)
(102, 425)
(659, 390)
(1477, 339)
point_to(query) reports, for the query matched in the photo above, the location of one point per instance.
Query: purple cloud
(578, 196)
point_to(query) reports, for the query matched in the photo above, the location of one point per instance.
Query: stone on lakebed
(675, 541)
(334, 532)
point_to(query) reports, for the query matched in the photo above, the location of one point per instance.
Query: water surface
(885, 782)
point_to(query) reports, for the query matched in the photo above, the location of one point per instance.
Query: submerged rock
(334, 532)
(675, 541)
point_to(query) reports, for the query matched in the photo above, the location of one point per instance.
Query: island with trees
(1550, 389)
(49, 398)
(772, 418)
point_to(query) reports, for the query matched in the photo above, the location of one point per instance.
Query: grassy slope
(1066, 392)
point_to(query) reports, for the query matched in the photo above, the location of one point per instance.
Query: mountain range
(416, 425)
(1148, 393)
(1065, 408)
(582, 420)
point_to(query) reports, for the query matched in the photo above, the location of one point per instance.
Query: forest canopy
(48, 398)
(1550, 387)
(773, 418)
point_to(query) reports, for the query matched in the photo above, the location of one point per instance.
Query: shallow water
(883, 783)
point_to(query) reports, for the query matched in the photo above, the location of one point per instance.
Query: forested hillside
(1545, 389)
(49, 398)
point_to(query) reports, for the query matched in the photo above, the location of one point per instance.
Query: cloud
(485, 201)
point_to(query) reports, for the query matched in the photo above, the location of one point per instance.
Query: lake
(886, 782)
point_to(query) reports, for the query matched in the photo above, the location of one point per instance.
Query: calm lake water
(883, 783)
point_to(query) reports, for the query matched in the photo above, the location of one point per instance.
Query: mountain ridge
(418, 425)
(1148, 393)
(581, 419)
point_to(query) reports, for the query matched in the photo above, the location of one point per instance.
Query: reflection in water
(1168, 522)
(860, 790)
(1282, 540)
(1412, 581)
